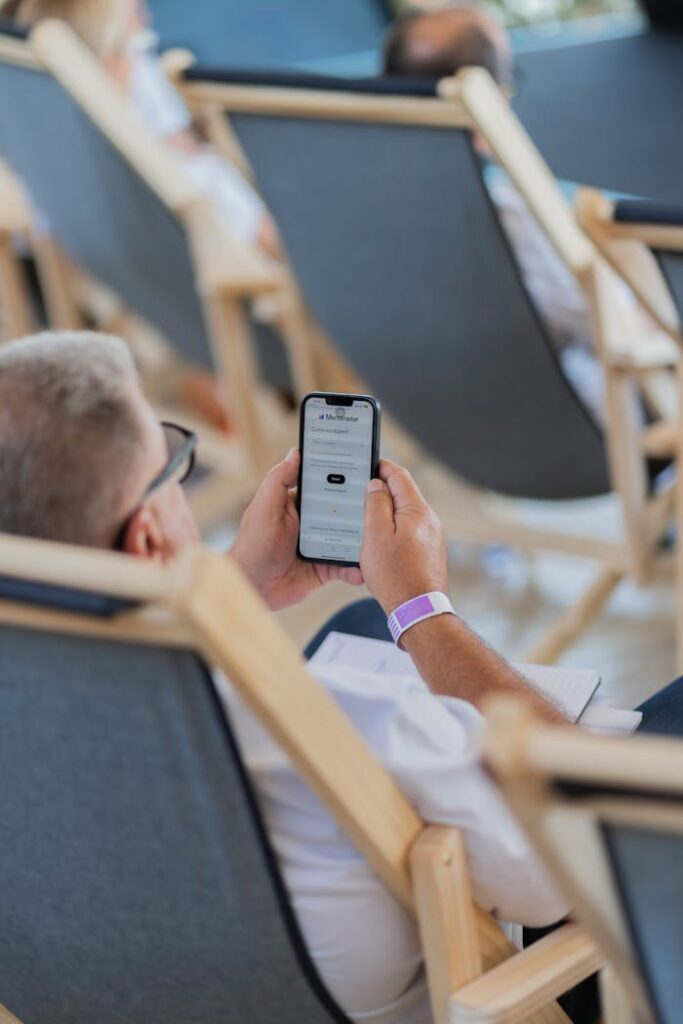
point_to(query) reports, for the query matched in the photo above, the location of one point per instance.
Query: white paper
(571, 689)
(602, 718)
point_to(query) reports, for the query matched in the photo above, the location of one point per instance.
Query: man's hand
(404, 552)
(265, 548)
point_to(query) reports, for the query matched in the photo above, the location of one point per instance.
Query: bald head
(439, 43)
(73, 431)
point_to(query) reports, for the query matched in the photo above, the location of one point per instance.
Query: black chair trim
(380, 86)
(627, 910)
(48, 595)
(644, 211)
(10, 28)
(580, 790)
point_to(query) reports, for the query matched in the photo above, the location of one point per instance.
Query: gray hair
(69, 432)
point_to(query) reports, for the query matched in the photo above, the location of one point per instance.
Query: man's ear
(143, 536)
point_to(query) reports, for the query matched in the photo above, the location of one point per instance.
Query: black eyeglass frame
(186, 451)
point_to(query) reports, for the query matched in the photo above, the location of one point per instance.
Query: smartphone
(339, 444)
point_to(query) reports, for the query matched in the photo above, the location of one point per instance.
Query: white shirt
(554, 291)
(159, 107)
(364, 944)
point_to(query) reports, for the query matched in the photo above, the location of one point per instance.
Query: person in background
(437, 44)
(120, 34)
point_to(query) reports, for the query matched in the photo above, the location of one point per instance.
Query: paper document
(570, 688)
(603, 718)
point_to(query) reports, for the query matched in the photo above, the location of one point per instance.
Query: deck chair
(399, 253)
(606, 815)
(120, 206)
(138, 881)
(15, 223)
(643, 242)
(270, 33)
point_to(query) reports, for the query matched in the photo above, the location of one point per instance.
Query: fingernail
(291, 454)
(374, 485)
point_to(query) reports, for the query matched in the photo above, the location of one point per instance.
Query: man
(83, 460)
(437, 44)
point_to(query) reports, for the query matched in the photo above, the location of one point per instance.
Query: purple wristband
(416, 610)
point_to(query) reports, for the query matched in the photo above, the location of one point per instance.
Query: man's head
(437, 44)
(79, 445)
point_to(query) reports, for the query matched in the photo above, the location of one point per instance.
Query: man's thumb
(276, 484)
(379, 508)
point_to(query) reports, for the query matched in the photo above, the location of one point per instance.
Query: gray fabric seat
(270, 33)
(137, 882)
(101, 212)
(105, 216)
(647, 869)
(401, 257)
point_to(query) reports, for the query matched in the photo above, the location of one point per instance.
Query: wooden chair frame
(526, 758)
(15, 222)
(628, 248)
(471, 100)
(227, 271)
(474, 972)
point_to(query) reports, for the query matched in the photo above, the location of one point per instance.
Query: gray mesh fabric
(402, 259)
(269, 33)
(648, 868)
(102, 213)
(134, 882)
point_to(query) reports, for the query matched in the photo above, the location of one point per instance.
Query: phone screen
(338, 454)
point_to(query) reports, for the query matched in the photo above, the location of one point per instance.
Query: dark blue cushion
(66, 599)
(381, 86)
(10, 28)
(643, 211)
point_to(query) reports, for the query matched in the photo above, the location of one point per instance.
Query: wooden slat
(508, 140)
(446, 915)
(525, 983)
(291, 102)
(18, 52)
(115, 574)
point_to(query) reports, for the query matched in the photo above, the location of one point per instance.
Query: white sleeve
(431, 745)
(554, 290)
(154, 99)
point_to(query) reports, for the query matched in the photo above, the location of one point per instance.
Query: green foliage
(529, 12)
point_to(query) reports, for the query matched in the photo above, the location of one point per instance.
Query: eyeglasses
(181, 445)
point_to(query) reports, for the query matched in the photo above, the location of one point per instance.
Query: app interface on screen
(336, 470)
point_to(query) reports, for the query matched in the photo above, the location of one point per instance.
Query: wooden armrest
(527, 982)
(665, 237)
(652, 351)
(596, 214)
(223, 262)
(661, 440)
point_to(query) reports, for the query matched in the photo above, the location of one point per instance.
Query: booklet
(571, 689)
